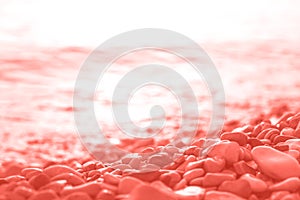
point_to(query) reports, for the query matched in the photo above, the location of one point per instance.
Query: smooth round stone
(274, 163)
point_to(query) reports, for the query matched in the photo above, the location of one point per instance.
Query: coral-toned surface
(42, 158)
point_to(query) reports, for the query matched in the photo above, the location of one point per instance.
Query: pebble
(242, 167)
(239, 187)
(111, 179)
(146, 176)
(160, 159)
(263, 133)
(254, 142)
(55, 170)
(197, 181)
(70, 178)
(190, 193)
(161, 186)
(293, 153)
(214, 164)
(127, 184)
(24, 191)
(279, 195)
(147, 192)
(282, 138)
(14, 178)
(189, 159)
(44, 195)
(91, 188)
(217, 195)
(105, 195)
(228, 150)
(287, 131)
(170, 178)
(30, 172)
(192, 174)
(291, 184)
(56, 186)
(78, 196)
(195, 164)
(274, 163)
(238, 137)
(180, 185)
(15, 196)
(294, 144)
(90, 165)
(257, 185)
(215, 179)
(39, 180)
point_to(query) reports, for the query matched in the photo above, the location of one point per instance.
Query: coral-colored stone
(39, 180)
(214, 164)
(254, 142)
(238, 137)
(70, 178)
(105, 195)
(192, 174)
(91, 188)
(239, 187)
(127, 184)
(228, 150)
(147, 192)
(215, 179)
(257, 185)
(190, 193)
(217, 195)
(54, 170)
(291, 184)
(274, 163)
(242, 167)
(170, 178)
(78, 196)
(44, 195)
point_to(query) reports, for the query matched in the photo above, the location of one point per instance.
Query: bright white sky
(90, 22)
